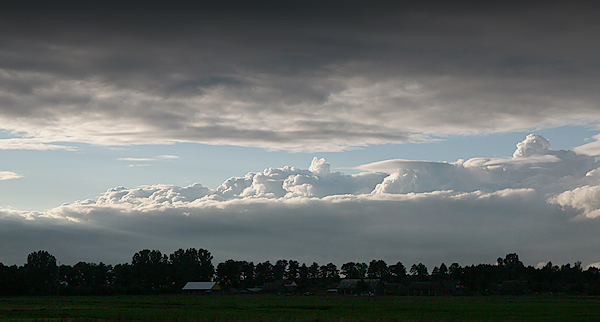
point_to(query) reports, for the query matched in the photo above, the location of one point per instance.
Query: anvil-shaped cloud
(533, 165)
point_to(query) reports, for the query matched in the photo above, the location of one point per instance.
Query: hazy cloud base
(292, 75)
(541, 203)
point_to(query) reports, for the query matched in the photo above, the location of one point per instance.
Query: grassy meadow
(298, 308)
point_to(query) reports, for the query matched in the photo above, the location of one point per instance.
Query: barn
(201, 287)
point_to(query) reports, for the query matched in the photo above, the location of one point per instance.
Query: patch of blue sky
(7, 134)
(453, 148)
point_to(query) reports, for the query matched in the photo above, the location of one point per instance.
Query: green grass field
(283, 308)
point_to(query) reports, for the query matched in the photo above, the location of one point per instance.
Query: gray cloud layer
(299, 75)
(541, 203)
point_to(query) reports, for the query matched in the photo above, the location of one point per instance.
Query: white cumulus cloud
(8, 175)
(532, 145)
(586, 198)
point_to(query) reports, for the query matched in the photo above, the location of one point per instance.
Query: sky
(327, 131)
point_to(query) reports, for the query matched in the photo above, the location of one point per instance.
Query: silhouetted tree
(41, 273)
(419, 271)
(455, 271)
(329, 272)
(292, 270)
(303, 274)
(264, 273)
(150, 271)
(86, 278)
(398, 272)
(378, 269)
(572, 277)
(440, 273)
(190, 265)
(123, 278)
(313, 271)
(279, 269)
(235, 274)
(247, 274)
(354, 270)
(546, 278)
(12, 280)
(511, 267)
(480, 279)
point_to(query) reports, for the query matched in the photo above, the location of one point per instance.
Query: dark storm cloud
(263, 73)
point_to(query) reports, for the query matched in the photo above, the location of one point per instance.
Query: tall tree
(354, 270)
(247, 274)
(12, 280)
(440, 273)
(512, 268)
(303, 273)
(279, 269)
(419, 271)
(313, 271)
(150, 268)
(263, 273)
(41, 272)
(235, 274)
(190, 265)
(455, 271)
(378, 269)
(123, 277)
(398, 271)
(292, 271)
(329, 272)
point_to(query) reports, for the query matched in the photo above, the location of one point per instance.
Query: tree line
(151, 272)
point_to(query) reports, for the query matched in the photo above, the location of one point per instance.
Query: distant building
(201, 287)
(283, 286)
(290, 286)
(359, 286)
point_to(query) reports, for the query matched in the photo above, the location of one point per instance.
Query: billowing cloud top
(287, 182)
(534, 165)
(532, 145)
(292, 75)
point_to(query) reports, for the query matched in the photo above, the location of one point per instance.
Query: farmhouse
(197, 287)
